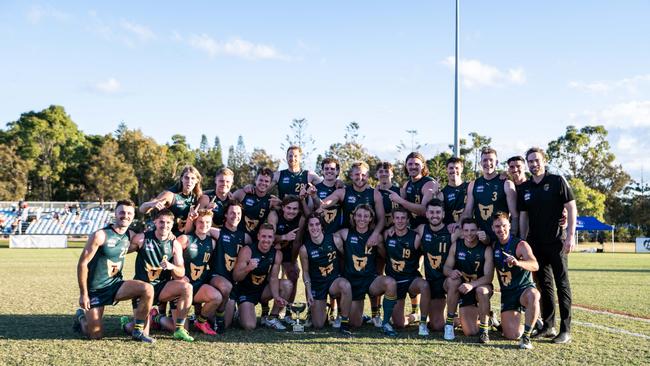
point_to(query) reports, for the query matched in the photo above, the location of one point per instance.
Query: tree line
(46, 157)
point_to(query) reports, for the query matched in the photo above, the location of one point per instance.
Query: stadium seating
(88, 221)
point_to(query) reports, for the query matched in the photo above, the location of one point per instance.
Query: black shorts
(246, 295)
(157, 289)
(469, 298)
(105, 296)
(361, 287)
(403, 287)
(437, 289)
(510, 299)
(320, 290)
(287, 254)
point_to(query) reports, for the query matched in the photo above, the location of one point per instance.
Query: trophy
(297, 308)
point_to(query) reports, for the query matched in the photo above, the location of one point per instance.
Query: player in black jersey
(293, 180)
(230, 240)
(386, 187)
(258, 204)
(217, 198)
(514, 262)
(179, 199)
(160, 262)
(436, 242)
(418, 190)
(454, 194)
(322, 274)
(256, 273)
(99, 274)
(333, 215)
(469, 269)
(488, 194)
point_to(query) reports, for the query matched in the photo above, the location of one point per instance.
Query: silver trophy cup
(297, 308)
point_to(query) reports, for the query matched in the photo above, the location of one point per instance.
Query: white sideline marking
(612, 329)
(603, 312)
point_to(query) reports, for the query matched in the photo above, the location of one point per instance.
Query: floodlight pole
(456, 138)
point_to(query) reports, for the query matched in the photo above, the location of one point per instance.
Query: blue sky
(527, 70)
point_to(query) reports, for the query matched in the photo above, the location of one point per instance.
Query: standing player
(152, 265)
(179, 199)
(293, 179)
(216, 199)
(469, 269)
(514, 262)
(230, 240)
(257, 205)
(321, 274)
(385, 187)
(402, 249)
(333, 215)
(436, 243)
(256, 273)
(99, 274)
(455, 192)
(544, 197)
(489, 194)
(361, 271)
(517, 170)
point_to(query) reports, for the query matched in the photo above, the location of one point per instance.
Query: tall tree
(478, 143)
(179, 155)
(260, 159)
(109, 176)
(13, 175)
(351, 150)
(238, 160)
(209, 161)
(300, 137)
(412, 145)
(589, 201)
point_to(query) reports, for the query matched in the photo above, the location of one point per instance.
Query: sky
(527, 70)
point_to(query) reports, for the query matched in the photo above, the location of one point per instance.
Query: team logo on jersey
(94, 300)
(546, 187)
(434, 260)
(113, 268)
(229, 262)
(486, 211)
(180, 223)
(329, 215)
(359, 262)
(506, 277)
(153, 272)
(251, 224)
(196, 271)
(480, 189)
(469, 277)
(398, 266)
(257, 280)
(324, 271)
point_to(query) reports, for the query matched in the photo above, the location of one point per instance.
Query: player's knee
(345, 287)
(510, 333)
(95, 334)
(147, 290)
(286, 285)
(533, 296)
(482, 292)
(248, 325)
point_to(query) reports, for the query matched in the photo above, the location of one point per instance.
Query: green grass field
(39, 295)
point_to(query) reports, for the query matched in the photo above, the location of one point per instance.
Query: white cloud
(603, 87)
(142, 32)
(624, 115)
(109, 86)
(236, 47)
(475, 74)
(37, 13)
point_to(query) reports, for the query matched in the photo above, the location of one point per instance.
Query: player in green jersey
(99, 273)
(514, 262)
(469, 269)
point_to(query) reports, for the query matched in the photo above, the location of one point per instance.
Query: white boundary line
(603, 312)
(612, 329)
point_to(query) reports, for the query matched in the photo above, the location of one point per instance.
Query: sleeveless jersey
(435, 247)
(470, 261)
(333, 216)
(454, 199)
(284, 226)
(353, 199)
(403, 260)
(225, 253)
(256, 280)
(489, 197)
(196, 257)
(414, 194)
(105, 268)
(388, 204)
(150, 255)
(180, 207)
(291, 183)
(323, 261)
(256, 210)
(360, 260)
(219, 211)
(510, 278)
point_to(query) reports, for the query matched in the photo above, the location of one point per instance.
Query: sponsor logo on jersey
(546, 187)
(392, 242)
(479, 189)
(285, 180)
(194, 247)
(354, 239)
(462, 256)
(111, 242)
(249, 202)
(226, 238)
(94, 300)
(314, 254)
(451, 196)
(428, 237)
(352, 199)
(527, 196)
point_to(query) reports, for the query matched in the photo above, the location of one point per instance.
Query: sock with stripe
(450, 318)
(389, 304)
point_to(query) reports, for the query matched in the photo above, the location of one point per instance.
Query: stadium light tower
(456, 138)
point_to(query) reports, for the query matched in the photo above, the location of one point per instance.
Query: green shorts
(105, 296)
(510, 299)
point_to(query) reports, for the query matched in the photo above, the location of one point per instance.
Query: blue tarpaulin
(591, 223)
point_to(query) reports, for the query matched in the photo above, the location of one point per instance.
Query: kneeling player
(514, 262)
(361, 269)
(402, 251)
(155, 249)
(469, 269)
(257, 272)
(99, 273)
(321, 274)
